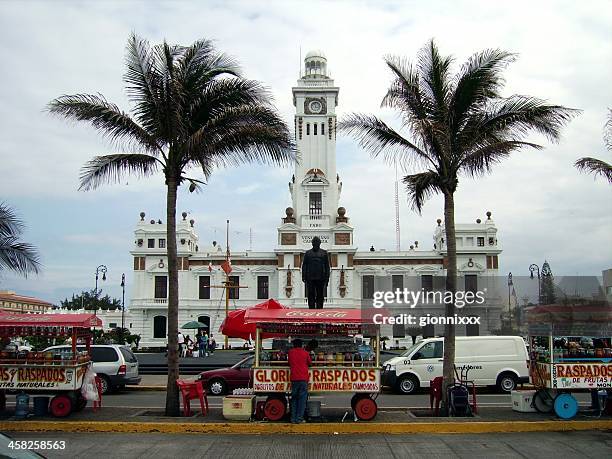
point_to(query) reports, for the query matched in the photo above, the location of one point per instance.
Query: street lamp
(122, 307)
(535, 268)
(510, 284)
(100, 269)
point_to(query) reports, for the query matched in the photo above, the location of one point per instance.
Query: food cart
(340, 364)
(57, 374)
(570, 351)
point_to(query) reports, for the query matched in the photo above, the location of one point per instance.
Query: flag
(226, 266)
(210, 267)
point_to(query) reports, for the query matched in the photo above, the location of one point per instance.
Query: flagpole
(227, 255)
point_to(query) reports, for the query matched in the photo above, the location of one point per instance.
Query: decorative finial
(152, 222)
(488, 215)
(142, 216)
(159, 222)
(191, 222)
(184, 214)
(478, 220)
(439, 221)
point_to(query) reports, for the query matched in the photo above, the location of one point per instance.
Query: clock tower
(315, 186)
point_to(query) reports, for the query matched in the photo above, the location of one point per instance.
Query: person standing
(212, 344)
(299, 361)
(202, 343)
(315, 274)
(181, 343)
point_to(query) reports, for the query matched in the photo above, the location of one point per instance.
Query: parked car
(224, 380)
(116, 365)
(500, 361)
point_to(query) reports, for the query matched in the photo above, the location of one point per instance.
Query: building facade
(315, 210)
(12, 302)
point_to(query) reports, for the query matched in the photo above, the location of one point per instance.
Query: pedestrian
(206, 344)
(181, 343)
(212, 344)
(299, 361)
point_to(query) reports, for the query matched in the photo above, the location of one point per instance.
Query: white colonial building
(315, 210)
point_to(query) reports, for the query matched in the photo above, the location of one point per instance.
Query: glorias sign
(321, 380)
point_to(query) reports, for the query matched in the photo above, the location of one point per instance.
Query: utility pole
(227, 285)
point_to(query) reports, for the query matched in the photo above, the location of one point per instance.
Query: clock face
(315, 106)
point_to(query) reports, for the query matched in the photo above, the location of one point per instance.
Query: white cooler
(238, 407)
(521, 401)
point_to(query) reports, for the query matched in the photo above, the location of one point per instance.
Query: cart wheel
(543, 401)
(566, 406)
(275, 408)
(365, 408)
(61, 406)
(355, 398)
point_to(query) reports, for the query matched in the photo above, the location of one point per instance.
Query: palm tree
(598, 166)
(192, 108)
(459, 125)
(19, 257)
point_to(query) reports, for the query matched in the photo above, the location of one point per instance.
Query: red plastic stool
(191, 390)
(435, 393)
(96, 405)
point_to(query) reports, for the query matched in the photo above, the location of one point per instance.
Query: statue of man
(315, 274)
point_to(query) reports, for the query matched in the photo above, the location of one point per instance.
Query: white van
(500, 361)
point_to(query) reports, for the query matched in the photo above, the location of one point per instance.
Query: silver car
(116, 365)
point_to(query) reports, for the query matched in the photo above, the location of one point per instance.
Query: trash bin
(41, 406)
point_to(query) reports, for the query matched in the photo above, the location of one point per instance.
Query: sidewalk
(126, 420)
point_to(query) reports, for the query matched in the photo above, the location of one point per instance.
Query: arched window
(159, 327)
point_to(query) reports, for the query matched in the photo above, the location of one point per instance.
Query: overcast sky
(543, 207)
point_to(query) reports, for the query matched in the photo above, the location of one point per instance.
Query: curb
(313, 429)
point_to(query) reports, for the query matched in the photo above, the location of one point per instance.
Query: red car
(225, 380)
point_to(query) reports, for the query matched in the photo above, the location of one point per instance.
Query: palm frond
(608, 132)
(378, 138)
(479, 81)
(595, 166)
(514, 117)
(144, 84)
(221, 96)
(201, 63)
(245, 144)
(19, 257)
(481, 161)
(106, 117)
(403, 93)
(10, 224)
(111, 169)
(421, 187)
(433, 69)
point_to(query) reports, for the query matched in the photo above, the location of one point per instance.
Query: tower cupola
(315, 65)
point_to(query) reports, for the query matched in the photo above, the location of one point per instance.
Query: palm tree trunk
(448, 369)
(172, 395)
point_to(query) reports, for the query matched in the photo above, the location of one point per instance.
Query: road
(541, 445)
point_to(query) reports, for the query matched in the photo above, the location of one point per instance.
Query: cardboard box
(238, 407)
(521, 401)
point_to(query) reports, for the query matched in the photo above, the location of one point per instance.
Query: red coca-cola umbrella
(235, 327)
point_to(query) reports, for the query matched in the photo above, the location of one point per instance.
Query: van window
(103, 354)
(127, 355)
(431, 350)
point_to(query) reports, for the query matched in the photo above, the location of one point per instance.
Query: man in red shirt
(299, 361)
